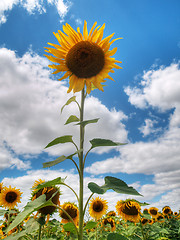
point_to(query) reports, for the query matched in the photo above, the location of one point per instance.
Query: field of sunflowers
(128, 222)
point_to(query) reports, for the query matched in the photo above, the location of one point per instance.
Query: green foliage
(113, 183)
(63, 139)
(72, 99)
(84, 123)
(116, 236)
(99, 142)
(71, 119)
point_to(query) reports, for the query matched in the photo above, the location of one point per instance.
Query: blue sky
(142, 106)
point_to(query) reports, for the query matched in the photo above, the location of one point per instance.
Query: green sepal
(69, 227)
(59, 160)
(99, 142)
(30, 208)
(72, 99)
(63, 139)
(113, 183)
(84, 123)
(116, 236)
(71, 119)
(90, 225)
(56, 181)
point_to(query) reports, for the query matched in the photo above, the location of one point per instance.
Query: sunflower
(84, 58)
(72, 210)
(160, 218)
(9, 197)
(144, 221)
(97, 208)
(109, 221)
(111, 214)
(150, 221)
(36, 183)
(129, 210)
(48, 191)
(166, 210)
(153, 211)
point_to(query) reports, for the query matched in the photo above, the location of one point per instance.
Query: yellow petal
(88, 86)
(79, 85)
(67, 74)
(85, 31)
(71, 83)
(115, 40)
(112, 52)
(92, 29)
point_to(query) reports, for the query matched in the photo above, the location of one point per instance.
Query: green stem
(87, 203)
(81, 169)
(71, 190)
(142, 231)
(39, 233)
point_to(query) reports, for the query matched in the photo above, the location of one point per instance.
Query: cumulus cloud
(33, 6)
(30, 108)
(148, 127)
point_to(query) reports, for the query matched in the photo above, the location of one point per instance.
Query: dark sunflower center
(144, 221)
(98, 206)
(167, 210)
(11, 197)
(85, 59)
(130, 210)
(72, 211)
(153, 211)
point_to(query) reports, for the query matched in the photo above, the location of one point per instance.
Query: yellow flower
(166, 210)
(84, 58)
(144, 221)
(109, 221)
(111, 214)
(97, 208)
(72, 210)
(36, 183)
(9, 197)
(153, 211)
(160, 218)
(1, 187)
(129, 210)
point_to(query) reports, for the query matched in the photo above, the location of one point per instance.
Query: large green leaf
(99, 142)
(56, 181)
(28, 209)
(69, 227)
(90, 225)
(63, 139)
(71, 119)
(113, 183)
(84, 123)
(116, 236)
(72, 99)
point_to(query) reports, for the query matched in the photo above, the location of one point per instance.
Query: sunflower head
(108, 221)
(166, 210)
(36, 183)
(160, 218)
(153, 211)
(128, 210)
(111, 214)
(10, 197)
(84, 58)
(150, 221)
(72, 210)
(97, 208)
(144, 221)
(49, 192)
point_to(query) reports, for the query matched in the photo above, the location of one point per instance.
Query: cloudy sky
(141, 108)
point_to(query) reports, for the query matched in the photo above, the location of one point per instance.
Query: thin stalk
(71, 190)
(39, 233)
(142, 231)
(81, 169)
(87, 203)
(75, 165)
(86, 156)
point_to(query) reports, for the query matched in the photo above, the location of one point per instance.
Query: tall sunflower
(84, 58)
(109, 221)
(97, 208)
(10, 197)
(72, 210)
(166, 210)
(128, 210)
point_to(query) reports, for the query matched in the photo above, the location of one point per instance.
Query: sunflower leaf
(28, 209)
(69, 227)
(71, 119)
(63, 139)
(84, 123)
(116, 236)
(72, 99)
(115, 184)
(90, 225)
(99, 142)
(56, 181)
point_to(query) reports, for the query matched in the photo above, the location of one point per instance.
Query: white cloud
(148, 127)
(31, 103)
(33, 6)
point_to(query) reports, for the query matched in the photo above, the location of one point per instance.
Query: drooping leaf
(90, 225)
(72, 99)
(28, 209)
(63, 139)
(56, 181)
(84, 123)
(99, 142)
(113, 183)
(116, 236)
(71, 119)
(59, 160)
(69, 227)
